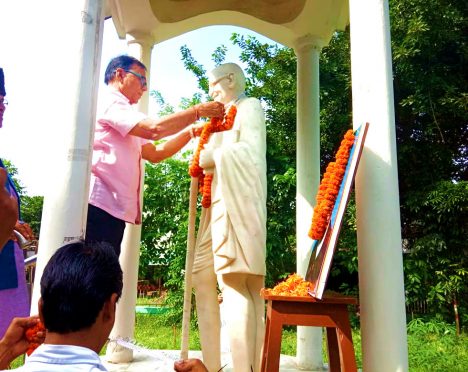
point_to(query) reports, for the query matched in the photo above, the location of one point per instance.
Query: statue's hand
(206, 158)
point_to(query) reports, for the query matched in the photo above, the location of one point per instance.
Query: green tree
(430, 80)
(165, 218)
(31, 206)
(437, 262)
(165, 215)
(164, 233)
(31, 212)
(13, 173)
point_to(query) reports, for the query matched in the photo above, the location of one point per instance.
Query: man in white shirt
(80, 287)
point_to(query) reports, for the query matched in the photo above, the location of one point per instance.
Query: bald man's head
(226, 82)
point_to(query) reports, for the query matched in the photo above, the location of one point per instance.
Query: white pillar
(307, 49)
(381, 287)
(129, 257)
(66, 203)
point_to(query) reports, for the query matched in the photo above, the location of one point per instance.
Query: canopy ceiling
(284, 21)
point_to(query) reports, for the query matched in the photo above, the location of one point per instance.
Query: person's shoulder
(250, 102)
(110, 97)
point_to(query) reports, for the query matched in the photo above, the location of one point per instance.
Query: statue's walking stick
(188, 267)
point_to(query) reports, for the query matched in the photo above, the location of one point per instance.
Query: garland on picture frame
(329, 188)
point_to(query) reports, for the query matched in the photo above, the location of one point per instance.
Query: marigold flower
(294, 285)
(32, 338)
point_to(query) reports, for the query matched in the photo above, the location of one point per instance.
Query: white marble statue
(230, 248)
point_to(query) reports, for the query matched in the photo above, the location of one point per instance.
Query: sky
(33, 55)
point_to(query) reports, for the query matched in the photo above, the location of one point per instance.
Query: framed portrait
(322, 250)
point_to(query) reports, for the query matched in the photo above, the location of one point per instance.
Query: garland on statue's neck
(329, 188)
(214, 125)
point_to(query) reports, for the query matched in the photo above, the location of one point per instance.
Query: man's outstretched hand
(209, 109)
(14, 342)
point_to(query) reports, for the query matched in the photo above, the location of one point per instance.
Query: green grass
(18, 362)
(150, 333)
(432, 345)
(151, 301)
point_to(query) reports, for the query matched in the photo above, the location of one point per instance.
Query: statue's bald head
(231, 80)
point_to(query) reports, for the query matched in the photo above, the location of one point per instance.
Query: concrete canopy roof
(284, 21)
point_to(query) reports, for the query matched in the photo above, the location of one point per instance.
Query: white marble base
(163, 360)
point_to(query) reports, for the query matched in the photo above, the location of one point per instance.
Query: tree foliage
(31, 212)
(430, 79)
(431, 101)
(13, 174)
(31, 206)
(165, 215)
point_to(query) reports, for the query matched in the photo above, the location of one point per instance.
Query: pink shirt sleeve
(122, 117)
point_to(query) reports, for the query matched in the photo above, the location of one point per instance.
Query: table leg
(333, 350)
(345, 341)
(266, 340)
(272, 347)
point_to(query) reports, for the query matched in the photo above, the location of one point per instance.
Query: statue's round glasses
(213, 83)
(141, 77)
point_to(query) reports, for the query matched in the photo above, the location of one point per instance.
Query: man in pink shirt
(122, 138)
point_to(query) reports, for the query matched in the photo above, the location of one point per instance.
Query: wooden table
(330, 312)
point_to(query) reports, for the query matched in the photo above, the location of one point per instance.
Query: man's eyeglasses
(212, 84)
(141, 77)
(3, 101)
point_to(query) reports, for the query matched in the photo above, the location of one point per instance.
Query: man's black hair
(77, 281)
(124, 62)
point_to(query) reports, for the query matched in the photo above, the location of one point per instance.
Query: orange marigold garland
(214, 125)
(32, 338)
(294, 285)
(329, 188)
(206, 192)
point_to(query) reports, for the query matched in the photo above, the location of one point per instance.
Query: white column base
(118, 354)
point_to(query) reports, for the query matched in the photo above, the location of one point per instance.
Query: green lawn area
(429, 348)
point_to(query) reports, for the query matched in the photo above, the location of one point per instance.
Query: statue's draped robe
(232, 232)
